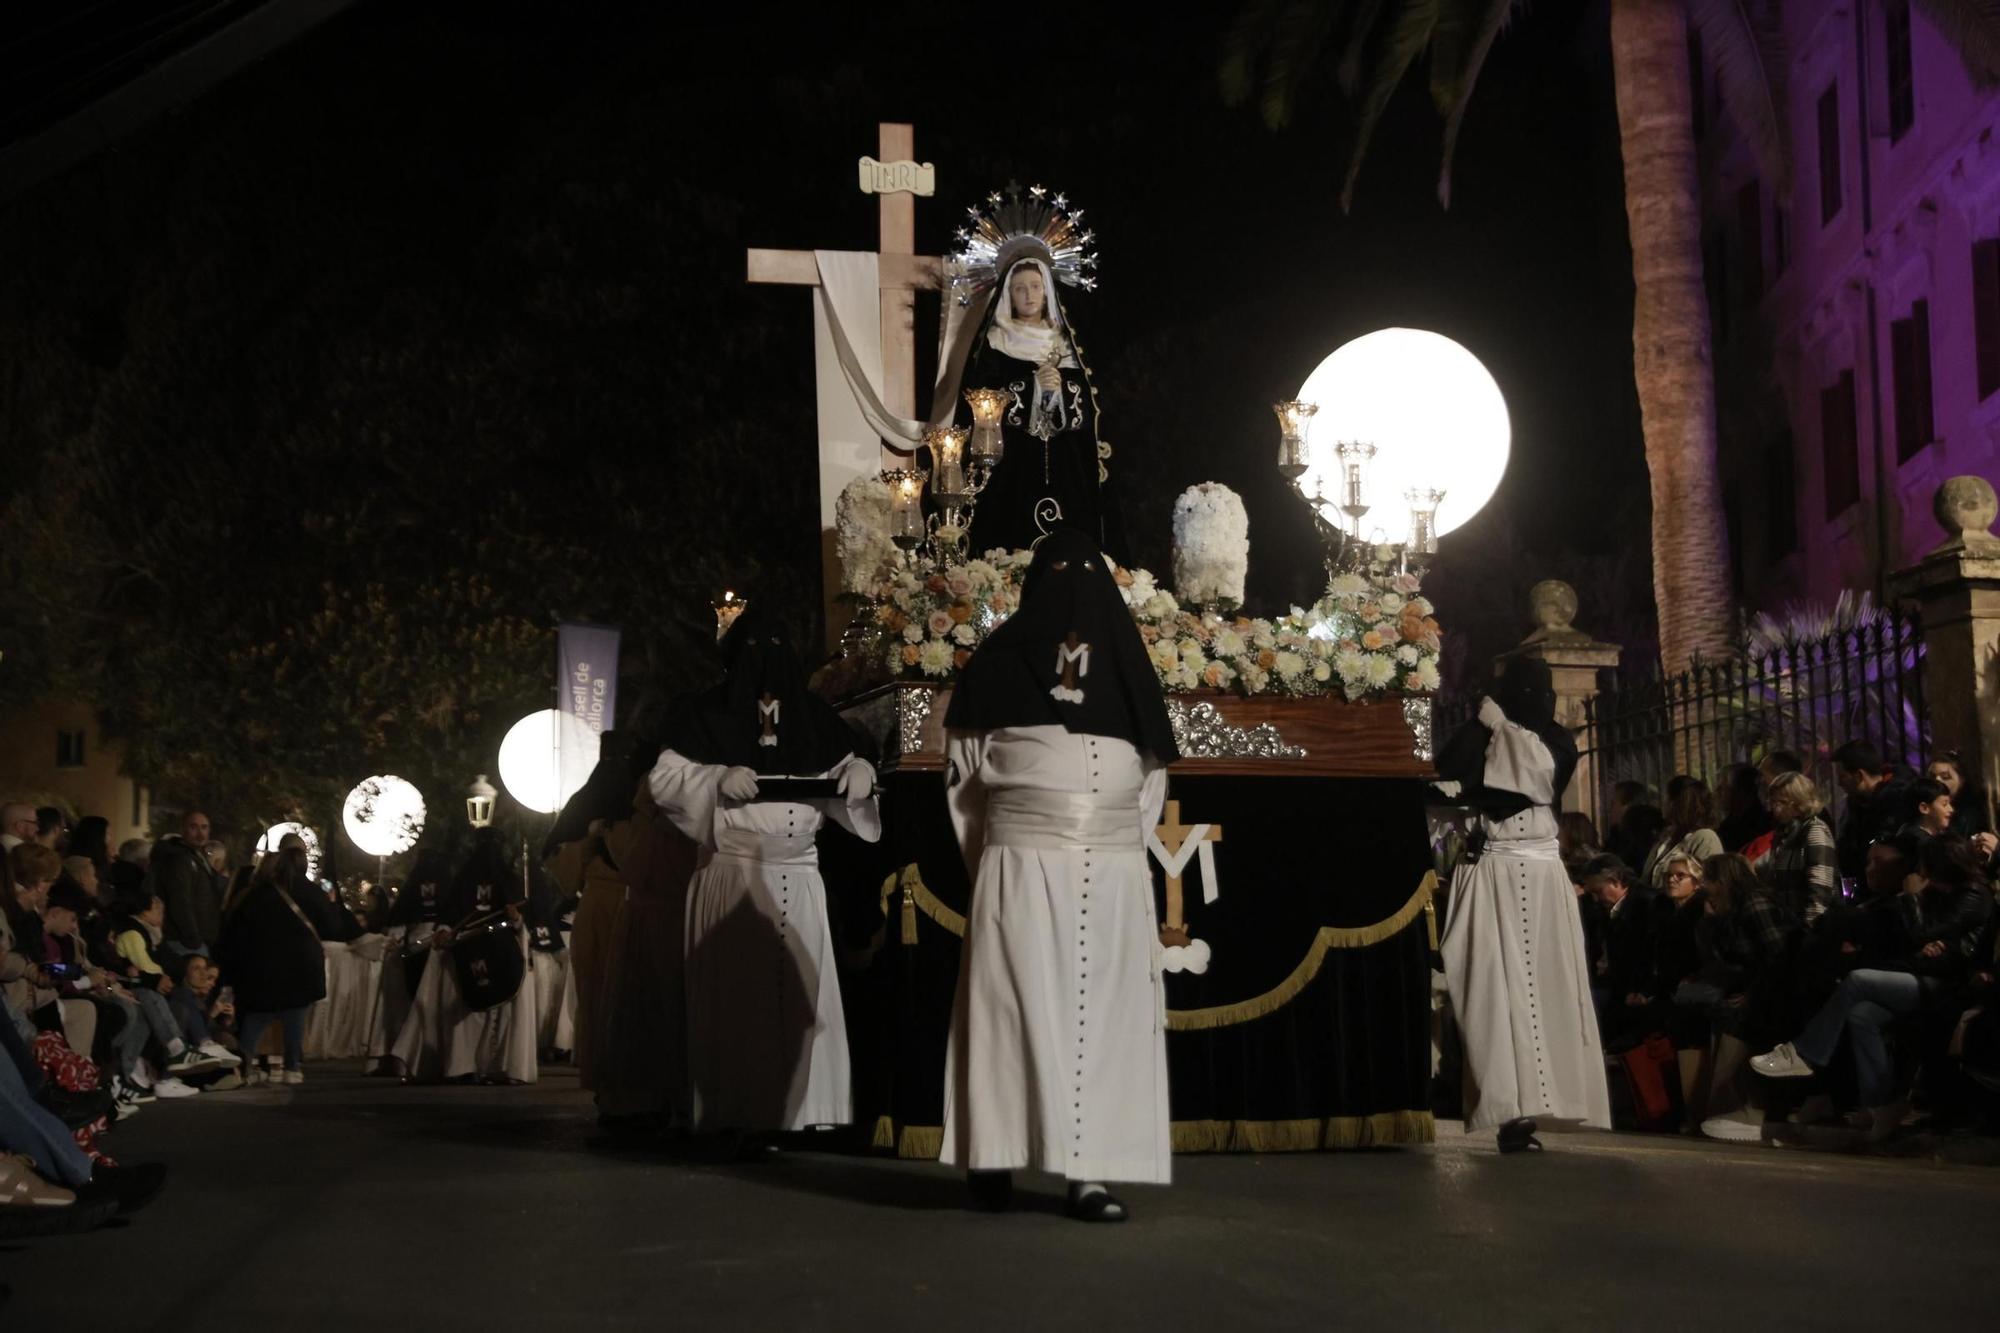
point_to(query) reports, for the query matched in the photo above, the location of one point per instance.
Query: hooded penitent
(760, 716)
(1525, 692)
(623, 760)
(485, 882)
(422, 898)
(1070, 655)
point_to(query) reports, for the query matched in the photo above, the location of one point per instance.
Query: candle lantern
(906, 507)
(947, 445)
(1293, 420)
(987, 407)
(727, 608)
(1424, 502)
(1354, 457)
(479, 799)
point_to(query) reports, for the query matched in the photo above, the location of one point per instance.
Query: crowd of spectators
(144, 976)
(1753, 962)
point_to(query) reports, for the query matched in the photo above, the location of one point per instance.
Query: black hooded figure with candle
(1015, 253)
(1058, 741)
(751, 769)
(1513, 943)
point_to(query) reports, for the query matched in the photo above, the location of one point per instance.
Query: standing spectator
(17, 825)
(128, 872)
(1741, 803)
(273, 958)
(1877, 796)
(1690, 829)
(1801, 868)
(180, 875)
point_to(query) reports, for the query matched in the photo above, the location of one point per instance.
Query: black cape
(484, 883)
(1008, 682)
(721, 725)
(1525, 691)
(423, 896)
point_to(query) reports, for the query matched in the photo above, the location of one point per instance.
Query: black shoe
(130, 1187)
(19, 1222)
(1519, 1136)
(1096, 1205)
(992, 1191)
(77, 1109)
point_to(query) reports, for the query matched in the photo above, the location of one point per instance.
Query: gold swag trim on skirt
(916, 897)
(1383, 1129)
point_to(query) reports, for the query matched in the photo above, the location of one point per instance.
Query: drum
(489, 963)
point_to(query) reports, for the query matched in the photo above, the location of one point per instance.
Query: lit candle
(727, 609)
(947, 445)
(1293, 419)
(906, 507)
(987, 407)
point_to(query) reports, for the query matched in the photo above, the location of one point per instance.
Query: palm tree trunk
(1672, 354)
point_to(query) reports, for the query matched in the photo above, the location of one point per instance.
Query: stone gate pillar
(1575, 659)
(1957, 591)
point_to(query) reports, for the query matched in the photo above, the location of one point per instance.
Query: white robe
(1057, 1058)
(443, 1039)
(1514, 961)
(555, 999)
(766, 1033)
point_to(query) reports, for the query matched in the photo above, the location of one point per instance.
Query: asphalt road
(354, 1203)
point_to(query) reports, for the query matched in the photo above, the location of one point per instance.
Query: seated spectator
(1576, 838)
(91, 839)
(122, 1029)
(1624, 796)
(52, 829)
(1741, 807)
(1969, 815)
(1742, 986)
(1944, 911)
(17, 825)
(206, 1013)
(1801, 867)
(128, 872)
(82, 872)
(32, 870)
(1690, 828)
(187, 1045)
(1876, 801)
(1638, 829)
(1625, 980)
(1929, 811)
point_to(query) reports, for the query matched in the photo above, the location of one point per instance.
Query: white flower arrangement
(1368, 635)
(861, 534)
(1211, 545)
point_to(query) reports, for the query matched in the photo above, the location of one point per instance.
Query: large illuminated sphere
(276, 833)
(1433, 413)
(531, 759)
(384, 815)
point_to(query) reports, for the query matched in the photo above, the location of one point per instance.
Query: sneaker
(1732, 1129)
(293, 1076)
(1876, 1123)
(192, 1061)
(221, 1054)
(141, 1075)
(130, 1093)
(173, 1088)
(256, 1076)
(1781, 1061)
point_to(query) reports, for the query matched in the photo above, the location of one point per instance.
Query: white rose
(1162, 606)
(1322, 672)
(964, 634)
(940, 624)
(1407, 654)
(913, 633)
(1391, 602)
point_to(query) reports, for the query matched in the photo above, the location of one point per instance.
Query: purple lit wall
(1858, 327)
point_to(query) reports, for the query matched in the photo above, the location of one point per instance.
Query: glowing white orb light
(276, 834)
(1433, 413)
(384, 815)
(546, 758)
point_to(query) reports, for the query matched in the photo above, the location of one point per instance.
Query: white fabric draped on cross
(1176, 863)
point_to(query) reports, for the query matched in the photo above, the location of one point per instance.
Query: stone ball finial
(1965, 506)
(1554, 605)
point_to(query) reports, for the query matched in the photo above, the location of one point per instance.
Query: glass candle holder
(1354, 458)
(906, 507)
(947, 445)
(988, 405)
(1423, 502)
(1293, 420)
(727, 608)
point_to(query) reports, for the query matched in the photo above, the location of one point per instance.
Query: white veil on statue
(1024, 341)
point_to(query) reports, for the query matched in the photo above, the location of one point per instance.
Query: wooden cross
(904, 273)
(1173, 835)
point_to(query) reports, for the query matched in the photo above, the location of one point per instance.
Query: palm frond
(1249, 37)
(1407, 35)
(1746, 46)
(1972, 27)
(1366, 12)
(1459, 49)
(1297, 38)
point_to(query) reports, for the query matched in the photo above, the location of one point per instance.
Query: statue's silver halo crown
(1005, 228)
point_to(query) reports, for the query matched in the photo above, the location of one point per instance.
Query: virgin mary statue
(1052, 468)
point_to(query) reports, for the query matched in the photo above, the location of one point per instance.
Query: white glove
(857, 783)
(739, 784)
(1490, 715)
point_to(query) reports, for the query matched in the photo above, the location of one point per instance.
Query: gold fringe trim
(925, 1142)
(917, 1142)
(1337, 1131)
(1329, 937)
(917, 898)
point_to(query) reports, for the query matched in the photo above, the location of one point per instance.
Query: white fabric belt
(1527, 849)
(768, 848)
(1061, 820)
